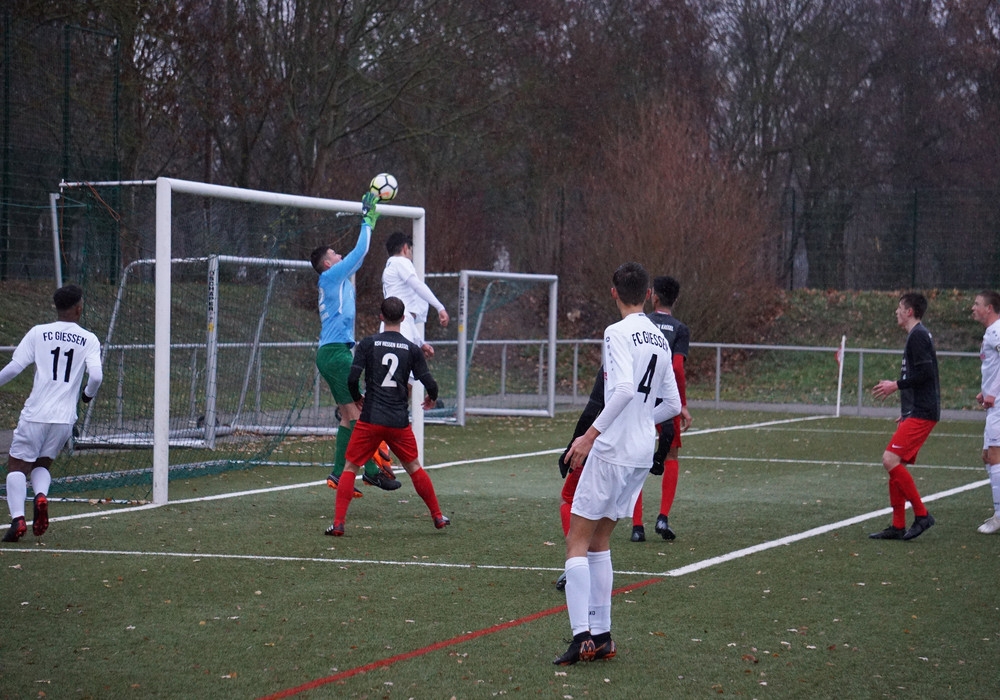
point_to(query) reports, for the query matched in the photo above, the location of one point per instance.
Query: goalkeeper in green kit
(336, 339)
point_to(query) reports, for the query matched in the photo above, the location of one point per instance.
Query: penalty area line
(658, 575)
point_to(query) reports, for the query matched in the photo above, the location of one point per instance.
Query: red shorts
(909, 438)
(367, 437)
(677, 431)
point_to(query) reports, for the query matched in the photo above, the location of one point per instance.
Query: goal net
(209, 361)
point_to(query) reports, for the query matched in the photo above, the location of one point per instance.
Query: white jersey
(60, 351)
(399, 279)
(637, 360)
(989, 353)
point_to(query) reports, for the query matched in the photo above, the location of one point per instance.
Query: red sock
(909, 488)
(569, 486)
(568, 491)
(898, 502)
(670, 471)
(345, 492)
(425, 489)
(637, 513)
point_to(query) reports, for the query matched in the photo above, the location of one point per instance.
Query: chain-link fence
(892, 239)
(60, 116)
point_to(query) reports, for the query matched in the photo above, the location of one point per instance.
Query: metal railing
(575, 395)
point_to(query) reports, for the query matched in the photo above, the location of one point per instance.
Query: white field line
(822, 462)
(559, 450)
(690, 568)
(310, 484)
(681, 571)
(823, 529)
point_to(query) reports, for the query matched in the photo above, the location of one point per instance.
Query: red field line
(389, 661)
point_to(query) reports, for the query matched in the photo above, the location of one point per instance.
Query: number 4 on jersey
(646, 383)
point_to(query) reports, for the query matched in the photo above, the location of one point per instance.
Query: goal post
(469, 339)
(165, 188)
(124, 431)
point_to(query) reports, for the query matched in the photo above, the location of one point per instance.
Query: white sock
(41, 480)
(17, 490)
(601, 582)
(994, 470)
(578, 594)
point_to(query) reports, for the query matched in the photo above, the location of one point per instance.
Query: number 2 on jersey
(392, 361)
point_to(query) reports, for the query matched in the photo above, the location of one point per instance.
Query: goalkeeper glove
(368, 212)
(85, 398)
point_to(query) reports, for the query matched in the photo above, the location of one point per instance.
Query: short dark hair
(67, 297)
(316, 257)
(667, 289)
(915, 301)
(397, 239)
(631, 281)
(392, 309)
(991, 298)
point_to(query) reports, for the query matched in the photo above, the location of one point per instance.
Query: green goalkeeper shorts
(334, 364)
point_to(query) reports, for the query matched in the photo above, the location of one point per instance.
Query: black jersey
(677, 334)
(387, 359)
(919, 388)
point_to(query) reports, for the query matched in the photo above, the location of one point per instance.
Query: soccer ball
(385, 186)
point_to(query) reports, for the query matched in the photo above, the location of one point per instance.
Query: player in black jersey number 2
(387, 359)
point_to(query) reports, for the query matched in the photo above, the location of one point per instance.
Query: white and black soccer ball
(385, 186)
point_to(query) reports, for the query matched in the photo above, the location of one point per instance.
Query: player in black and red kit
(920, 404)
(665, 292)
(386, 359)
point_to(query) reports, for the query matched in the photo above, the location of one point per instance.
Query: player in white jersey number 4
(618, 448)
(60, 352)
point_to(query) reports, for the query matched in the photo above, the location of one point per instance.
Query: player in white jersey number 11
(61, 352)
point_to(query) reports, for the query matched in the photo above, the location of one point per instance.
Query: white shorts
(608, 490)
(991, 434)
(33, 440)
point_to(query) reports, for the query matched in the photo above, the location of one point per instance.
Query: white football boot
(991, 525)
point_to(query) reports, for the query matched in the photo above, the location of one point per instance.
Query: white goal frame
(461, 409)
(165, 188)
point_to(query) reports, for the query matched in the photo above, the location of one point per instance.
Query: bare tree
(832, 97)
(680, 211)
(288, 93)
